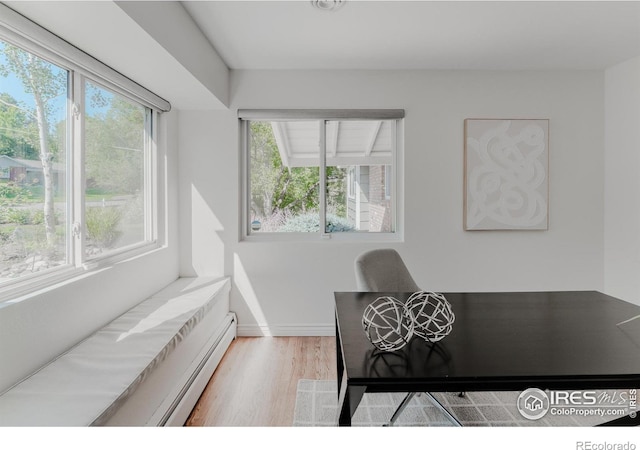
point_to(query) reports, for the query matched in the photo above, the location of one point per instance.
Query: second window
(321, 175)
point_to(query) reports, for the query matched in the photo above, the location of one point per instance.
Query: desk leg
(348, 401)
(349, 397)
(339, 359)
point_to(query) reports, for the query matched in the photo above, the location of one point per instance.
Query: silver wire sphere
(386, 324)
(430, 314)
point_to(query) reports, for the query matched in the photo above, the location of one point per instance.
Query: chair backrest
(383, 270)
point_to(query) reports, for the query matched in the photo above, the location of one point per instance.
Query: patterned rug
(316, 405)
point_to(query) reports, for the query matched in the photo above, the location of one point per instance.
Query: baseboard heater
(180, 408)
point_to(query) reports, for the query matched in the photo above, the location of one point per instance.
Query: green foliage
(48, 85)
(275, 187)
(11, 194)
(114, 143)
(4, 212)
(5, 235)
(36, 191)
(336, 190)
(37, 217)
(18, 131)
(337, 224)
(103, 225)
(39, 77)
(16, 205)
(278, 189)
(21, 216)
(310, 222)
(18, 216)
(19, 127)
(97, 192)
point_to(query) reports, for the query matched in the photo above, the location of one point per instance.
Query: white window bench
(147, 367)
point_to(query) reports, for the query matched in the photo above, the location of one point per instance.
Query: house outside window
(312, 173)
(34, 150)
(77, 156)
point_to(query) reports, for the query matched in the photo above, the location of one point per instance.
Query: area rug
(316, 405)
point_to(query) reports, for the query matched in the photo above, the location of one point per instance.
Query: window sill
(16, 290)
(120, 255)
(20, 289)
(354, 237)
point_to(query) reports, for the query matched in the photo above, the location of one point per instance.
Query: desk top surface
(502, 341)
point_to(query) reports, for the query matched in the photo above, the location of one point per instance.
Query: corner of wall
(622, 181)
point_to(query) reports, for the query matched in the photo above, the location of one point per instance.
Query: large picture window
(321, 175)
(33, 155)
(77, 151)
(115, 158)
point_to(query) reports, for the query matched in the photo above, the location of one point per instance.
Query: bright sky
(13, 86)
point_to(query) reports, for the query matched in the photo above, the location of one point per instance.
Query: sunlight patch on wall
(248, 294)
(206, 245)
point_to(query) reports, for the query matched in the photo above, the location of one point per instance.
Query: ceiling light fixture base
(328, 5)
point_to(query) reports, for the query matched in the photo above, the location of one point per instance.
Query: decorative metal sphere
(430, 314)
(386, 324)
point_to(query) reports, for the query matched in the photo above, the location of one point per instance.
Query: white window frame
(25, 34)
(352, 182)
(323, 116)
(388, 182)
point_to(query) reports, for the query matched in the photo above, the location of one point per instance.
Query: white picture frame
(506, 174)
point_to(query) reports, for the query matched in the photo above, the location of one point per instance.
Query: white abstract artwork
(506, 174)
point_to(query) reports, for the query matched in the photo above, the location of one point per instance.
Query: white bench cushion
(85, 385)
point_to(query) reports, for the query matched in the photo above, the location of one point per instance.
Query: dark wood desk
(499, 342)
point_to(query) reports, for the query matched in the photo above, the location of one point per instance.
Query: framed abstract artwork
(506, 174)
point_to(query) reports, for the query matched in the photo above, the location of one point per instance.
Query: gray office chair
(383, 270)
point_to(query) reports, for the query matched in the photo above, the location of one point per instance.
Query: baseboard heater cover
(178, 412)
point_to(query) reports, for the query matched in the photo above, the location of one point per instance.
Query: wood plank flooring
(255, 383)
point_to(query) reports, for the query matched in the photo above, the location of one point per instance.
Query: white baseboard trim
(287, 330)
(199, 373)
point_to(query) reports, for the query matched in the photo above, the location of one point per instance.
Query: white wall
(154, 43)
(169, 25)
(286, 288)
(622, 181)
(35, 329)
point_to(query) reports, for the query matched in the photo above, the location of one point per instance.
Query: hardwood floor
(255, 383)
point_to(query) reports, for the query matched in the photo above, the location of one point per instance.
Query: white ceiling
(166, 53)
(107, 32)
(510, 35)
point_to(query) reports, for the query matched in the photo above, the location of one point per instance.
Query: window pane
(114, 170)
(33, 149)
(359, 167)
(284, 176)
